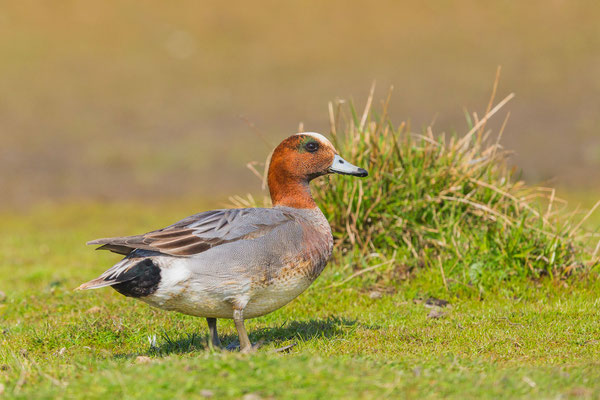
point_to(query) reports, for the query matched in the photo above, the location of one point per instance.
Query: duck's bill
(341, 166)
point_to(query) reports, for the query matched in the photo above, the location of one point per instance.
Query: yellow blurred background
(124, 100)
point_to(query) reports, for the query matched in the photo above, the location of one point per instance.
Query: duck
(236, 263)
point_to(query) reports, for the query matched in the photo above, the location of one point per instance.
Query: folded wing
(200, 232)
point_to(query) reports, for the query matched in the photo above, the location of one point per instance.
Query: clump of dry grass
(446, 202)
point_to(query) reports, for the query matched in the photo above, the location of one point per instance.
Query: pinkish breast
(317, 243)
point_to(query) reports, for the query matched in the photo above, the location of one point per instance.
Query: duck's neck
(290, 191)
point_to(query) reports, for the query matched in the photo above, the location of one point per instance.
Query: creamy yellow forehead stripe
(317, 136)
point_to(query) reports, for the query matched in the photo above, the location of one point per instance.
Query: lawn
(534, 339)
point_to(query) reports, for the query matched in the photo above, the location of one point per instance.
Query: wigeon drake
(236, 263)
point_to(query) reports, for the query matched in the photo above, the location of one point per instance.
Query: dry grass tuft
(447, 202)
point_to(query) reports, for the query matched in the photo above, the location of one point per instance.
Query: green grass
(539, 339)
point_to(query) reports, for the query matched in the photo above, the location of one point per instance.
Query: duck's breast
(309, 244)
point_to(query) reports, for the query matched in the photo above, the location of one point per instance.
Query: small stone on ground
(251, 396)
(433, 302)
(436, 313)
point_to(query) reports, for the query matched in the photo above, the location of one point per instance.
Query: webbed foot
(251, 348)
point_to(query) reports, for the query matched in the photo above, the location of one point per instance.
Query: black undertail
(140, 280)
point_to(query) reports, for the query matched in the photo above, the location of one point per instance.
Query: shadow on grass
(300, 331)
(330, 328)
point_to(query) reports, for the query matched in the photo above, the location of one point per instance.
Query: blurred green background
(145, 101)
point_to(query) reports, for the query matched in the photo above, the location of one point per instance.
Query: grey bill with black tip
(341, 166)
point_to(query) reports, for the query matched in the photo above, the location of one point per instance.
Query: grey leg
(212, 332)
(245, 345)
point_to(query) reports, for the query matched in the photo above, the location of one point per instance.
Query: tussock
(446, 202)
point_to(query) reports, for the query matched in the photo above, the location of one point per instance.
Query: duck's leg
(245, 345)
(212, 332)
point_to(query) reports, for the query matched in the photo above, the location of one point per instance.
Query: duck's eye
(311, 147)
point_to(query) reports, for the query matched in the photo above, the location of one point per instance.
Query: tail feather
(96, 284)
(118, 273)
(132, 276)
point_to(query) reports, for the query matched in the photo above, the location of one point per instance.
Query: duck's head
(299, 159)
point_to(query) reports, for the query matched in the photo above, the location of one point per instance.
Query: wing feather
(200, 232)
